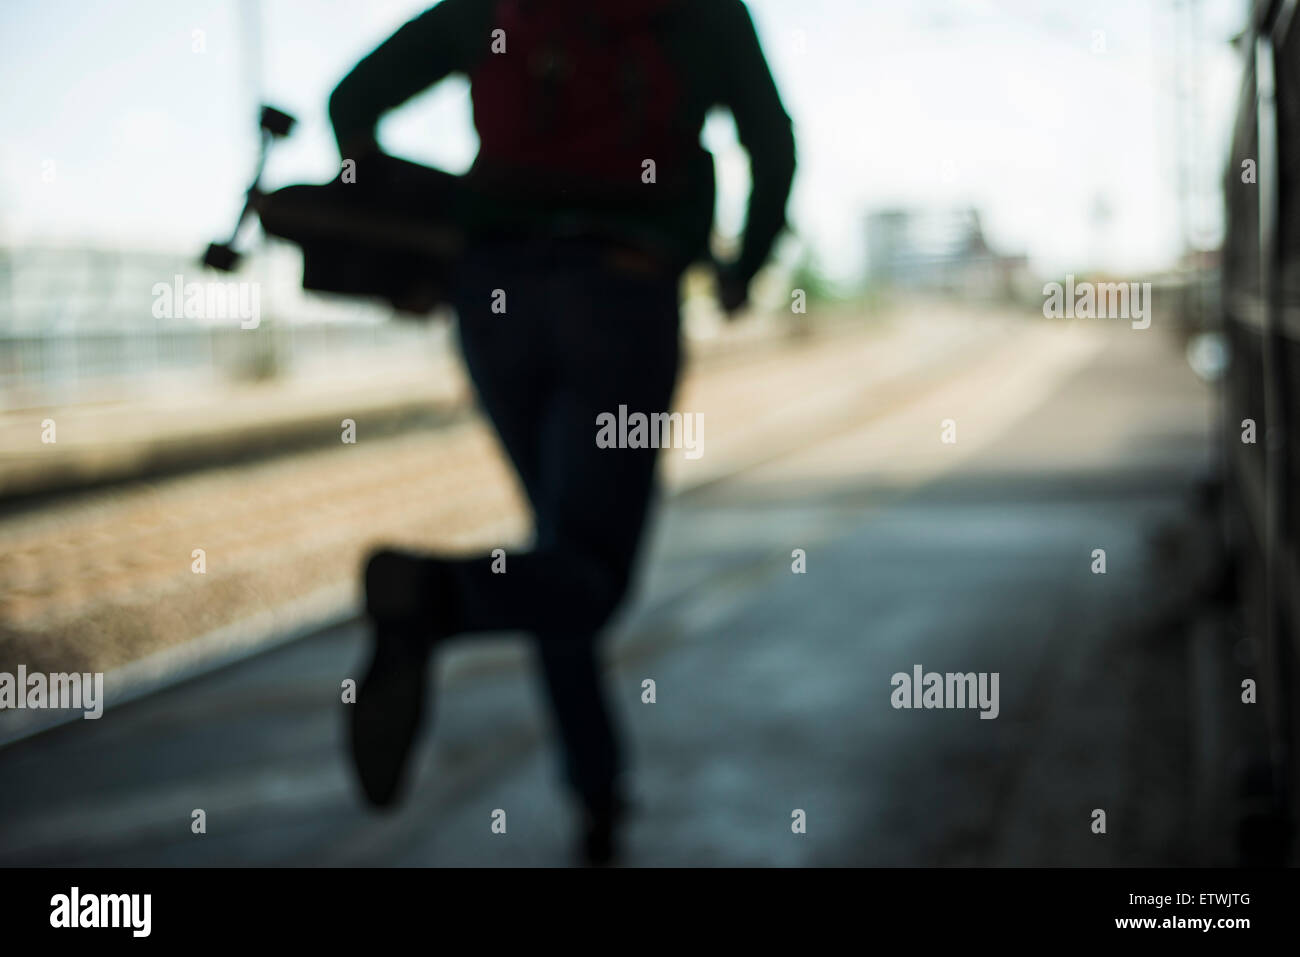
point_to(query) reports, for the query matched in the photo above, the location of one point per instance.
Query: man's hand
(358, 147)
(733, 291)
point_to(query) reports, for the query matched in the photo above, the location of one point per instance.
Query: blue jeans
(578, 337)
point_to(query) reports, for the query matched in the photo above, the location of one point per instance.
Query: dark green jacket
(712, 44)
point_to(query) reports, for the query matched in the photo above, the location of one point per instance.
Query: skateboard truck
(275, 125)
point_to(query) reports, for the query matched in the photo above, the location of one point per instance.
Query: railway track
(101, 580)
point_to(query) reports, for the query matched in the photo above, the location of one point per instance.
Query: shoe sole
(386, 718)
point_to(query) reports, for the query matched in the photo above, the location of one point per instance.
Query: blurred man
(589, 197)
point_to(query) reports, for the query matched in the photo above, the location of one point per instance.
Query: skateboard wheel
(276, 122)
(221, 257)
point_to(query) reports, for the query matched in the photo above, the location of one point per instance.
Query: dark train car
(1261, 318)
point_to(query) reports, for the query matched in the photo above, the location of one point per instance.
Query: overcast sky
(1004, 104)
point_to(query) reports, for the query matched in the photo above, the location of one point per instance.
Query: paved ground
(96, 581)
(773, 689)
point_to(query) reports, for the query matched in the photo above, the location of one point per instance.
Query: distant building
(88, 290)
(79, 323)
(939, 252)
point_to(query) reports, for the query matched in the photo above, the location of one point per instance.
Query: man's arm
(437, 42)
(764, 130)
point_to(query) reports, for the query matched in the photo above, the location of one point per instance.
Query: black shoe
(406, 601)
(600, 833)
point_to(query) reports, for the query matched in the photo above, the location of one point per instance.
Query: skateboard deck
(393, 233)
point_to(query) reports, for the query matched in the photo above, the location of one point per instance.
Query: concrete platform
(773, 688)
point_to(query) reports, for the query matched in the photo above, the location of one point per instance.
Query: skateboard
(385, 228)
